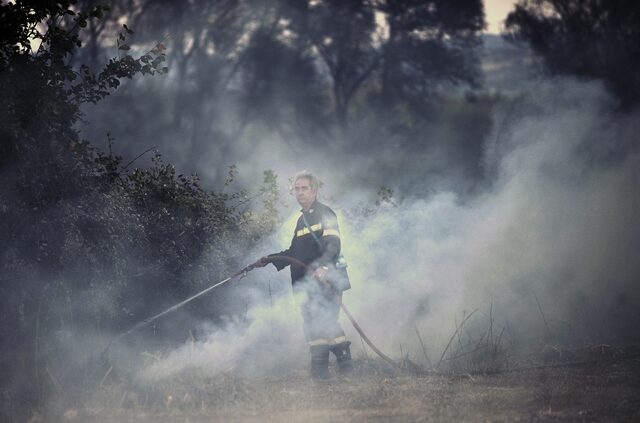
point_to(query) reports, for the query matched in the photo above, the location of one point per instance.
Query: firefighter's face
(304, 193)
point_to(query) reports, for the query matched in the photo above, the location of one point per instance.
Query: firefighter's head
(305, 188)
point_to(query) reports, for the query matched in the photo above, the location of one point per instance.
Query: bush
(89, 246)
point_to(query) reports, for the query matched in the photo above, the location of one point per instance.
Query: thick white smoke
(550, 245)
(266, 340)
(556, 224)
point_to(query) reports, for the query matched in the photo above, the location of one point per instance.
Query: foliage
(42, 93)
(590, 39)
(281, 85)
(420, 46)
(89, 245)
(342, 33)
(307, 72)
(429, 42)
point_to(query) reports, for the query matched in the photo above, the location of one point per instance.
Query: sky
(496, 11)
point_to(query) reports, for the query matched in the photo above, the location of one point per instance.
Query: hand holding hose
(262, 262)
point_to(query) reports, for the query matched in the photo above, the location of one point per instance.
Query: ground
(567, 388)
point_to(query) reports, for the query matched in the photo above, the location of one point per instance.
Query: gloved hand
(262, 262)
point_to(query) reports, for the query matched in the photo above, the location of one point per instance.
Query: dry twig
(454, 335)
(424, 350)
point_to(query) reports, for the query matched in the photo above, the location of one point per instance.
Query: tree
(87, 244)
(403, 49)
(203, 45)
(41, 92)
(342, 33)
(429, 43)
(281, 87)
(586, 38)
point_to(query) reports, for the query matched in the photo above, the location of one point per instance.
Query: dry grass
(603, 386)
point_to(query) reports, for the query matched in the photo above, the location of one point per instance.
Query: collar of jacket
(311, 208)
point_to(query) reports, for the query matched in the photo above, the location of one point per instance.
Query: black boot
(320, 361)
(343, 356)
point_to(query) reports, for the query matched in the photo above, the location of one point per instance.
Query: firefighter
(322, 279)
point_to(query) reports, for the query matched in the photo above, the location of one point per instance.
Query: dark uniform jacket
(323, 223)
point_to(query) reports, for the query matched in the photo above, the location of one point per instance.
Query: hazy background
(516, 192)
(549, 246)
(471, 171)
(495, 186)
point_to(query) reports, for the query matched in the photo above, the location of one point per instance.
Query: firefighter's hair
(313, 180)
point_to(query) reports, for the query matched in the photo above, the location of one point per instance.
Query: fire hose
(243, 273)
(344, 308)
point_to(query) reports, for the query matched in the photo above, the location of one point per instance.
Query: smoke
(556, 227)
(264, 341)
(549, 245)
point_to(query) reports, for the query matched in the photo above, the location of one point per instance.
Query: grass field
(589, 385)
